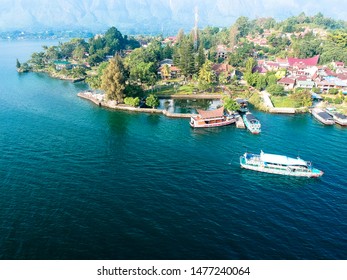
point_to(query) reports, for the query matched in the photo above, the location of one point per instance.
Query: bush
(276, 90)
(132, 101)
(338, 100)
(152, 101)
(333, 91)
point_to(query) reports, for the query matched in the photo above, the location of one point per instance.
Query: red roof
(259, 69)
(222, 67)
(307, 61)
(342, 76)
(301, 78)
(211, 114)
(286, 80)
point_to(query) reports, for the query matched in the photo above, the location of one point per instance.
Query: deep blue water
(81, 182)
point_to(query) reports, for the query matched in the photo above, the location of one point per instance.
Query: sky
(156, 14)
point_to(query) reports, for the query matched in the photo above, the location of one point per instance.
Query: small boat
(322, 116)
(339, 118)
(278, 164)
(211, 118)
(252, 124)
(243, 105)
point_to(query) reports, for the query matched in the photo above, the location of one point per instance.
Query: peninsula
(279, 67)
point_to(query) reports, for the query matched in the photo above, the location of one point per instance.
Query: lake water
(82, 182)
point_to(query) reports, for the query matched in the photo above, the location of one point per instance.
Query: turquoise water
(81, 182)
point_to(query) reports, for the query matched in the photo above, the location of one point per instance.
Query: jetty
(240, 123)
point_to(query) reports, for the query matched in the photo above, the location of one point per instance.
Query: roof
(305, 83)
(286, 80)
(307, 61)
(221, 67)
(284, 160)
(211, 114)
(259, 69)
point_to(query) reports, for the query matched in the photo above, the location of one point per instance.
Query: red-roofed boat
(211, 118)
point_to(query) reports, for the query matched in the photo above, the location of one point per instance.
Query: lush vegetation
(128, 77)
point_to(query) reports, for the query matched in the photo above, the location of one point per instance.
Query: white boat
(211, 118)
(322, 116)
(252, 124)
(339, 118)
(278, 164)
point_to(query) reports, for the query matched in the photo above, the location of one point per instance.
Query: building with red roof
(287, 83)
(313, 61)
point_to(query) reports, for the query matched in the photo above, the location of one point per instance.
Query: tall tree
(113, 81)
(187, 60)
(200, 57)
(250, 64)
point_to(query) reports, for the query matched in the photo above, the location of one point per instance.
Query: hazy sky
(104, 13)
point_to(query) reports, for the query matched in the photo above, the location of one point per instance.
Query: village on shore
(277, 67)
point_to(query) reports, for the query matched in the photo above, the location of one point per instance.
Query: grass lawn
(184, 90)
(283, 101)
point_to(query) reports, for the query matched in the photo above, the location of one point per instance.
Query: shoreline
(98, 100)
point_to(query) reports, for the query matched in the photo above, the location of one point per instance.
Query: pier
(240, 123)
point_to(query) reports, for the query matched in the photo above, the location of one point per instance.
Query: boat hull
(315, 114)
(257, 165)
(282, 171)
(217, 124)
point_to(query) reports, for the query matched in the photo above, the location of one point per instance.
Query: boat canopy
(211, 114)
(324, 115)
(341, 116)
(251, 118)
(283, 160)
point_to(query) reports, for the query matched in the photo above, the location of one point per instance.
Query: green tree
(152, 101)
(206, 74)
(230, 104)
(113, 81)
(132, 101)
(200, 58)
(250, 64)
(167, 51)
(261, 82)
(271, 79)
(276, 90)
(186, 53)
(302, 98)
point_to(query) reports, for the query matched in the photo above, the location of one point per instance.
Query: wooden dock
(240, 123)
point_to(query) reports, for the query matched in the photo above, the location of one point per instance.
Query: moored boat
(279, 164)
(339, 118)
(243, 105)
(322, 116)
(211, 118)
(252, 124)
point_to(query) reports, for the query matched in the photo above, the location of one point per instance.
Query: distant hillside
(150, 15)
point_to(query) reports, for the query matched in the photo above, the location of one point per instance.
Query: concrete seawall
(99, 100)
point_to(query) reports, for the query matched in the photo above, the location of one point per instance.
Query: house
(168, 70)
(338, 64)
(305, 84)
(304, 62)
(220, 68)
(287, 83)
(62, 64)
(260, 69)
(222, 51)
(167, 61)
(282, 62)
